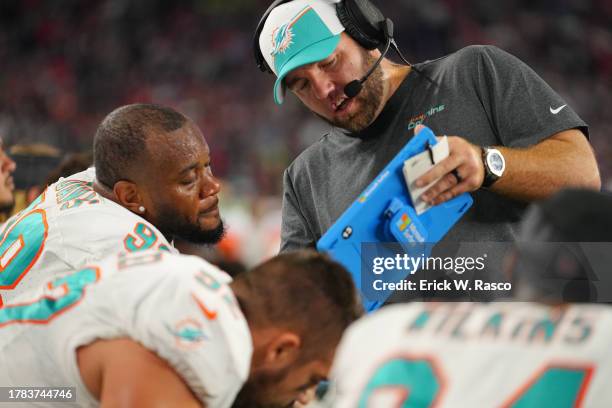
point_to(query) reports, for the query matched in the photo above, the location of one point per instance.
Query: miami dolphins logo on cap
(282, 37)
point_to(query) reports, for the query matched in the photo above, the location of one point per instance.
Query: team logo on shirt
(188, 334)
(419, 119)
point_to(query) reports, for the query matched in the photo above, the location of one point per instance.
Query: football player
(550, 347)
(152, 182)
(152, 329)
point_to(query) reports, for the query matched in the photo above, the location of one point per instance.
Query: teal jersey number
(413, 381)
(22, 243)
(45, 309)
(560, 387)
(143, 238)
(417, 383)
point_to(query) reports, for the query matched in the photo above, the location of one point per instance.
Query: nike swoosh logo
(210, 314)
(555, 111)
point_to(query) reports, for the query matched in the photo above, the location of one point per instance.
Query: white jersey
(65, 228)
(178, 306)
(476, 355)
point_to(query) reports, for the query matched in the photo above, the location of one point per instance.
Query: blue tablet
(384, 213)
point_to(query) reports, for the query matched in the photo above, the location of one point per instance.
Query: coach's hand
(462, 171)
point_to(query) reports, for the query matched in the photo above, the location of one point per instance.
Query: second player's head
(297, 306)
(156, 162)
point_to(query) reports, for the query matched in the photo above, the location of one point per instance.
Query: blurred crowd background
(65, 64)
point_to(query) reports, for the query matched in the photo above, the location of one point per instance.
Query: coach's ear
(128, 196)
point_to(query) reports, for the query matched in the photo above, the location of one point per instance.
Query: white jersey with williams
(476, 355)
(178, 306)
(65, 228)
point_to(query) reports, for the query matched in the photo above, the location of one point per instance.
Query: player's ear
(128, 195)
(283, 350)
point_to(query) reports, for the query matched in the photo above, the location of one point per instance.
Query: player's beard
(249, 395)
(369, 99)
(173, 226)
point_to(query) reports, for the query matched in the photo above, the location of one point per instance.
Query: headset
(362, 20)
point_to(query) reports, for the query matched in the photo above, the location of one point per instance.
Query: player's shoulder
(87, 175)
(179, 306)
(192, 263)
(73, 193)
(75, 196)
(170, 266)
(83, 179)
(184, 309)
(86, 219)
(601, 312)
(158, 277)
(101, 217)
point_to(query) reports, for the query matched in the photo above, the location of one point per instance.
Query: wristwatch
(494, 166)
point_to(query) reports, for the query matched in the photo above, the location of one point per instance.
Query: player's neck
(105, 191)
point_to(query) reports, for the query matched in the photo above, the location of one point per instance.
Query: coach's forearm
(563, 160)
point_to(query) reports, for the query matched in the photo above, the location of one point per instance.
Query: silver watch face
(495, 162)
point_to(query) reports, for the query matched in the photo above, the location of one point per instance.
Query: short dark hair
(303, 291)
(120, 139)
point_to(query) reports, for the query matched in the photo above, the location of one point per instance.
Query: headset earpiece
(259, 58)
(363, 22)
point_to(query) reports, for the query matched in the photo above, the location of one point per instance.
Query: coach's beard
(369, 100)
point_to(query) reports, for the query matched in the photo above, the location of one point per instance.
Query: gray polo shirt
(481, 93)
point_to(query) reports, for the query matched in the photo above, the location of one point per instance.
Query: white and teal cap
(297, 33)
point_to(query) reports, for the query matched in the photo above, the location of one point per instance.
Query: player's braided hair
(303, 291)
(120, 140)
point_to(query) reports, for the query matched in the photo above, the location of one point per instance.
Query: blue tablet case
(384, 213)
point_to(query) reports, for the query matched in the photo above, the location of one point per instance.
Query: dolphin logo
(282, 37)
(187, 333)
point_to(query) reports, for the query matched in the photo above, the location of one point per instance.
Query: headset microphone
(353, 88)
